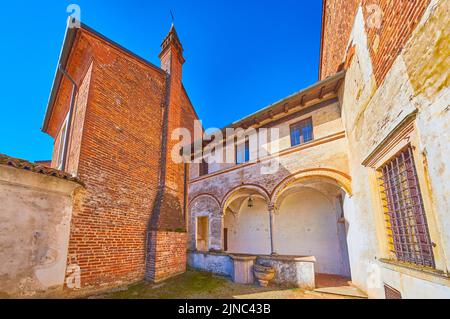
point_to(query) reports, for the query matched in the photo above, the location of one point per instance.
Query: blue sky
(240, 55)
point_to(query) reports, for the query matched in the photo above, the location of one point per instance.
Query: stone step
(348, 291)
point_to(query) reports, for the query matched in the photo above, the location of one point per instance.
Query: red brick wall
(169, 258)
(119, 164)
(77, 66)
(337, 24)
(116, 151)
(171, 214)
(399, 19)
(167, 239)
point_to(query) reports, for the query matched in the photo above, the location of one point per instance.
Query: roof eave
(322, 35)
(69, 39)
(334, 78)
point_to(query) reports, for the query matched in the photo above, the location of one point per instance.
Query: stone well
(290, 271)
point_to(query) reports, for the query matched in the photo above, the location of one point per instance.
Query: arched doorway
(205, 223)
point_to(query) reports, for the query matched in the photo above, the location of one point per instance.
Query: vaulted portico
(302, 217)
(293, 217)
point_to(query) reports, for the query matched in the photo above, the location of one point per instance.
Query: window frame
(394, 141)
(203, 168)
(246, 152)
(408, 230)
(300, 125)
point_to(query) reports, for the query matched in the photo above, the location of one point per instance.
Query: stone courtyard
(202, 285)
(348, 176)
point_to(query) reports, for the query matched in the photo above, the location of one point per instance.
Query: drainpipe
(70, 115)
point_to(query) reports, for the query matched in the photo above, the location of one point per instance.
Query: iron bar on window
(406, 219)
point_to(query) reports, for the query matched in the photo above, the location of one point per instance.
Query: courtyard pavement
(200, 285)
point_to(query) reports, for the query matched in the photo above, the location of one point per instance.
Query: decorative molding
(203, 195)
(427, 274)
(401, 132)
(298, 148)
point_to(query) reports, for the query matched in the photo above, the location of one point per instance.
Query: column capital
(271, 207)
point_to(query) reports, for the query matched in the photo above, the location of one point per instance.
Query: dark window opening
(408, 233)
(204, 168)
(225, 239)
(302, 132)
(243, 153)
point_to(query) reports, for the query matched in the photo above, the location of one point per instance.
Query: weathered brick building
(111, 114)
(362, 181)
(361, 186)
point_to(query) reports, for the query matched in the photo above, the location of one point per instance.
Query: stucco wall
(297, 231)
(331, 154)
(35, 219)
(306, 224)
(417, 82)
(219, 264)
(248, 229)
(326, 120)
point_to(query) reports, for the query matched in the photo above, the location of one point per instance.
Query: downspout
(185, 190)
(70, 115)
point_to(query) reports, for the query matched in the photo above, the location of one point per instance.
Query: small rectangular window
(204, 168)
(408, 232)
(302, 132)
(243, 153)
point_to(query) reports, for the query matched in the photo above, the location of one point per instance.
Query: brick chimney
(171, 55)
(166, 236)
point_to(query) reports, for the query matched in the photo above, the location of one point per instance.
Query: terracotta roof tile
(36, 168)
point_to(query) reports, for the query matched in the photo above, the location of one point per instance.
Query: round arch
(199, 196)
(341, 179)
(244, 190)
(310, 218)
(204, 223)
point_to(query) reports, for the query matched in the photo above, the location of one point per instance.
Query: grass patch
(190, 285)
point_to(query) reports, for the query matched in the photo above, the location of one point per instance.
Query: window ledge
(424, 273)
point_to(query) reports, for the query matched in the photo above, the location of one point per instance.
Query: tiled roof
(36, 168)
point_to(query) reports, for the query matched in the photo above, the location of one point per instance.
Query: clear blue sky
(240, 55)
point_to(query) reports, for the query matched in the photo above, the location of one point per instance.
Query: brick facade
(399, 19)
(167, 254)
(337, 23)
(122, 106)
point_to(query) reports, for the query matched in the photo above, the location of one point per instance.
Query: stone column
(271, 208)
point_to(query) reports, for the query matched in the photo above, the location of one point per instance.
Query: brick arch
(197, 197)
(205, 205)
(341, 179)
(259, 189)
